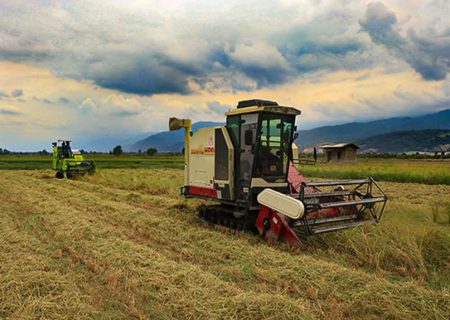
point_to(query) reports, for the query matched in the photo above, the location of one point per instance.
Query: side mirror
(248, 137)
(296, 134)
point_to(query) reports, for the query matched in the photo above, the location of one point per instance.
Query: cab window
(275, 141)
(233, 126)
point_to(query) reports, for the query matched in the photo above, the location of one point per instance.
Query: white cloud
(120, 105)
(112, 104)
(119, 101)
(150, 48)
(427, 53)
(125, 67)
(88, 104)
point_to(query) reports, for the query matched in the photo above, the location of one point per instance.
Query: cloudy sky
(114, 70)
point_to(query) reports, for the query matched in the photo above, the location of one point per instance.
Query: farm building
(341, 152)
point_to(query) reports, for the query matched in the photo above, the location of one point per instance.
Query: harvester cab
(68, 162)
(249, 167)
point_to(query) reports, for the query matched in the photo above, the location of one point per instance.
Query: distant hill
(354, 131)
(168, 141)
(106, 143)
(404, 141)
(173, 141)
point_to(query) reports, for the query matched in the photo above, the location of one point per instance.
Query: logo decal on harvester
(206, 151)
(210, 141)
(196, 151)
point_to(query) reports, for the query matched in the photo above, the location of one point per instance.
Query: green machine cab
(68, 162)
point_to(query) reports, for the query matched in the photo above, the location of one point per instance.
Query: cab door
(249, 125)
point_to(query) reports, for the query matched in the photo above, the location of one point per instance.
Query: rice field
(427, 171)
(122, 244)
(29, 162)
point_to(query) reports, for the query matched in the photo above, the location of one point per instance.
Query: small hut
(340, 152)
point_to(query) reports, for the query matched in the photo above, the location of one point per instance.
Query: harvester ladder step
(341, 226)
(350, 203)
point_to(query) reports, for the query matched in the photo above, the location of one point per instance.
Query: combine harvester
(249, 168)
(68, 162)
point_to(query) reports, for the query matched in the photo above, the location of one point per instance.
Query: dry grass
(428, 171)
(122, 244)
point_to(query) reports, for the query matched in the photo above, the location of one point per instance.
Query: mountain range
(430, 140)
(392, 135)
(168, 141)
(354, 131)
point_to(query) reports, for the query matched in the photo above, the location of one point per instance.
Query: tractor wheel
(59, 174)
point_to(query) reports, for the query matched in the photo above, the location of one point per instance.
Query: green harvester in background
(68, 162)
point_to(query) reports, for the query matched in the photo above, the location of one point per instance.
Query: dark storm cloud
(429, 55)
(152, 72)
(17, 93)
(44, 100)
(136, 50)
(313, 57)
(8, 112)
(380, 23)
(135, 58)
(143, 76)
(64, 100)
(334, 48)
(265, 76)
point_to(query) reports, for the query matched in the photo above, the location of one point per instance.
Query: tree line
(118, 150)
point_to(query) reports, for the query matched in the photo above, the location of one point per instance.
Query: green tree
(151, 151)
(117, 151)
